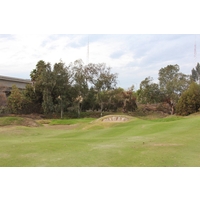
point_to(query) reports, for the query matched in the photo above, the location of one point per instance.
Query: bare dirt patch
(30, 122)
(10, 129)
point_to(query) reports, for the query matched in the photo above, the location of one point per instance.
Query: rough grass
(18, 121)
(11, 121)
(171, 141)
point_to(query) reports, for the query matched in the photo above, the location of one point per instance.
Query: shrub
(189, 101)
(15, 100)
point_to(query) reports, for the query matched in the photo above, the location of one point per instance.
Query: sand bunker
(115, 118)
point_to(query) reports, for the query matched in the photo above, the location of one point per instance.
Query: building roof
(13, 79)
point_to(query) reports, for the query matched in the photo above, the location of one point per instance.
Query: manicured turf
(70, 121)
(171, 141)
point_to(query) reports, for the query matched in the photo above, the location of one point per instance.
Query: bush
(189, 101)
(15, 100)
(20, 102)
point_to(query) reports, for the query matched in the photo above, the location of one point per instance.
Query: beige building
(8, 82)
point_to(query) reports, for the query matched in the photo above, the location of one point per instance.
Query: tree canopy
(73, 87)
(172, 84)
(78, 87)
(149, 92)
(196, 73)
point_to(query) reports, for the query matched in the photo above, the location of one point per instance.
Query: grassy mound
(4, 121)
(17, 121)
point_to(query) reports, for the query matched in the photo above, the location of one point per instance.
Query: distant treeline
(77, 88)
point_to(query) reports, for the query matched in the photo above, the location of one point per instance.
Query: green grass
(70, 121)
(11, 121)
(172, 141)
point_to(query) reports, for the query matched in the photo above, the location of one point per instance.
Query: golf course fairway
(166, 142)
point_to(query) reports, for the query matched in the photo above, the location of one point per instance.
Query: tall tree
(80, 83)
(80, 77)
(43, 83)
(49, 84)
(196, 73)
(65, 87)
(102, 79)
(37, 79)
(62, 89)
(172, 84)
(89, 102)
(149, 92)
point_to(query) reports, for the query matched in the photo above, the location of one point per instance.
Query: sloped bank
(18, 121)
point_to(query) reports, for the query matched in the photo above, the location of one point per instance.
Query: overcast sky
(133, 56)
(120, 35)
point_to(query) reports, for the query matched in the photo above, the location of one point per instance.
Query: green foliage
(89, 101)
(31, 103)
(172, 83)
(166, 75)
(47, 103)
(196, 73)
(80, 78)
(62, 84)
(100, 76)
(66, 88)
(23, 101)
(149, 92)
(189, 101)
(15, 100)
(49, 84)
(129, 100)
(117, 99)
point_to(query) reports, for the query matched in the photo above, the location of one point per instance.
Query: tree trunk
(101, 109)
(172, 107)
(78, 110)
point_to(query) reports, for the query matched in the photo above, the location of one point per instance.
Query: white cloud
(133, 57)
